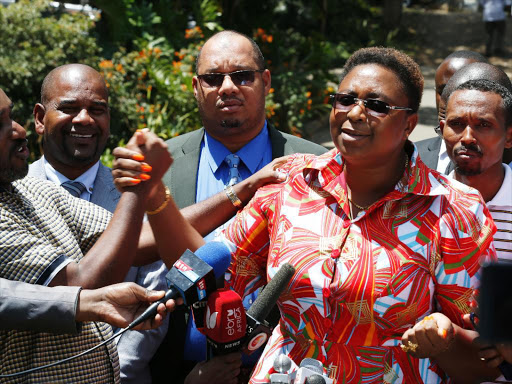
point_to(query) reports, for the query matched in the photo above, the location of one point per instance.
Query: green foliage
(150, 46)
(152, 88)
(35, 39)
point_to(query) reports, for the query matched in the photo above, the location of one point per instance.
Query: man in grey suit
(230, 88)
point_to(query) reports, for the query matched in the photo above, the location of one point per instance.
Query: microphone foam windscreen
(225, 317)
(217, 255)
(263, 304)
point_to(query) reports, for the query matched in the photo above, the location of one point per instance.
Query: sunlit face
(362, 137)
(13, 144)
(231, 112)
(75, 122)
(475, 131)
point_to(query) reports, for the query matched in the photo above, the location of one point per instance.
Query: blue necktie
(76, 188)
(234, 176)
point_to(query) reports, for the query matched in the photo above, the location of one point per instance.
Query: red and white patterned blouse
(360, 284)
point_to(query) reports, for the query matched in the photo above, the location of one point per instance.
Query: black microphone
(315, 379)
(258, 330)
(192, 277)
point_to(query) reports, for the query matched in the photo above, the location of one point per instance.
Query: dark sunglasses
(215, 80)
(344, 102)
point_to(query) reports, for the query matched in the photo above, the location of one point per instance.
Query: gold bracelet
(164, 204)
(230, 192)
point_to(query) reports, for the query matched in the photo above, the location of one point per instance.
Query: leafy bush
(35, 39)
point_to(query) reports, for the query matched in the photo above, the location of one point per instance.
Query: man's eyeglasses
(344, 102)
(215, 80)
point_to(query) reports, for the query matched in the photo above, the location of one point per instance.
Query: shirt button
(327, 322)
(346, 224)
(326, 292)
(335, 253)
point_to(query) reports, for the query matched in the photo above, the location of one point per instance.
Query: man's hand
(429, 337)
(120, 304)
(270, 173)
(219, 370)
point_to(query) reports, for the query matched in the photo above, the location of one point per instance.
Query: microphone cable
(41, 367)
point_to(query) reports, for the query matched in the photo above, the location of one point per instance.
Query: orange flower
(271, 90)
(106, 64)
(158, 51)
(183, 87)
(150, 87)
(141, 117)
(308, 94)
(269, 39)
(301, 111)
(119, 68)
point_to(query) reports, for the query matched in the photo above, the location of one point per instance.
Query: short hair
(49, 79)
(468, 55)
(484, 85)
(405, 68)
(476, 71)
(257, 55)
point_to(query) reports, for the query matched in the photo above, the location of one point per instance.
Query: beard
(230, 123)
(7, 176)
(467, 169)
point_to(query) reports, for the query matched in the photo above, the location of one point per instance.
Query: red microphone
(225, 322)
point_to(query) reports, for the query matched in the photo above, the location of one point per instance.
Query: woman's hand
(429, 337)
(145, 158)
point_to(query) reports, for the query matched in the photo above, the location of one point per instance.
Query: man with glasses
(433, 151)
(236, 141)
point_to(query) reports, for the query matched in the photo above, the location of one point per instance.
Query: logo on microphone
(234, 321)
(257, 341)
(211, 318)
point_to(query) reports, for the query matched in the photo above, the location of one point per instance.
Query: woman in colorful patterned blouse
(379, 242)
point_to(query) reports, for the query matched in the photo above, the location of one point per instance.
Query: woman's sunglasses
(344, 102)
(215, 80)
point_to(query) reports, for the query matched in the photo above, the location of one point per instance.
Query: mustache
(468, 148)
(222, 100)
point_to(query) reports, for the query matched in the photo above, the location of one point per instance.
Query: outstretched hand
(429, 337)
(120, 304)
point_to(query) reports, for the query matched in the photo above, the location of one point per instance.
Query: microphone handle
(150, 312)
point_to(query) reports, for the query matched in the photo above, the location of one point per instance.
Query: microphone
(225, 322)
(282, 365)
(315, 379)
(192, 277)
(308, 370)
(258, 330)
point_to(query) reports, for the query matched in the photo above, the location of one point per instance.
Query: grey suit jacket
(104, 194)
(429, 151)
(29, 307)
(181, 178)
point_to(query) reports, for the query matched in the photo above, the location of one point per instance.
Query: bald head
(70, 73)
(451, 64)
(476, 71)
(225, 40)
